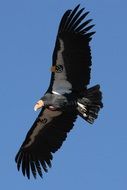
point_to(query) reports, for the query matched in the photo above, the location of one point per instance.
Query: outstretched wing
(44, 138)
(71, 56)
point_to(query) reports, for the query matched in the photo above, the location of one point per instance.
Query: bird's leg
(39, 105)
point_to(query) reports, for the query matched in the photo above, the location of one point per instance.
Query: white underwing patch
(47, 116)
(55, 93)
(61, 85)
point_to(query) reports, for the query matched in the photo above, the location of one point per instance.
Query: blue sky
(92, 157)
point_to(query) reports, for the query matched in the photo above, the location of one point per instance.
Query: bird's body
(59, 101)
(67, 96)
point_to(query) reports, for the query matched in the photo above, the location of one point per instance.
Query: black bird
(67, 95)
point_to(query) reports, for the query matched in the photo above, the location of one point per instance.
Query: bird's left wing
(44, 138)
(72, 54)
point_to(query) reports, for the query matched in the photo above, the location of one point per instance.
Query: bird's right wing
(44, 138)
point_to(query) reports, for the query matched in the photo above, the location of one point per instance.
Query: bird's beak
(38, 105)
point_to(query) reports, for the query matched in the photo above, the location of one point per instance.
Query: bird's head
(39, 105)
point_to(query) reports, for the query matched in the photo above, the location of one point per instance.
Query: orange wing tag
(57, 69)
(53, 69)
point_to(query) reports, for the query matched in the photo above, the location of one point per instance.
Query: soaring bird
(67, 96)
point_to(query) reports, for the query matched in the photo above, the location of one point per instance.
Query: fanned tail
(90, 104)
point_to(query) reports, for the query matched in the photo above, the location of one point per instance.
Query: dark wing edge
(76, 34)
(42, 140)
(72, 21)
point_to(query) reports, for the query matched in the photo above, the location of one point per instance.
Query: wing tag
(57, 69)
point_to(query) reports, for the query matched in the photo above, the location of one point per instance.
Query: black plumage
(67, 94)
(76, 37)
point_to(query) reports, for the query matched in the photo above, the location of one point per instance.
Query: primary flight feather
(67, 96)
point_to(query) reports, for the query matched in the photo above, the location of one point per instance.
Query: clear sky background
(92, 157)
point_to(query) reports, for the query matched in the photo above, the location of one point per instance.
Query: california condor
(67, 95)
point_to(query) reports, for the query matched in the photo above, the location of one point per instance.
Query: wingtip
(77, 7)
(28, 177)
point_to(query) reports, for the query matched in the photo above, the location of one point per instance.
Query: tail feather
(90, 104)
